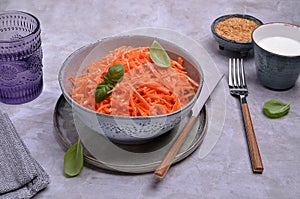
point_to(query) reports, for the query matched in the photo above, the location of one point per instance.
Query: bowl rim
(119, 117)
(243, 16)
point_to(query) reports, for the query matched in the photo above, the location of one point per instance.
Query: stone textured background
(225, 172)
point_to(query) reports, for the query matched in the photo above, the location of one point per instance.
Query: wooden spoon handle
(165, 164)
(257, 165)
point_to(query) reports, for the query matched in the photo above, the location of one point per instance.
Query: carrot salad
(146, 89)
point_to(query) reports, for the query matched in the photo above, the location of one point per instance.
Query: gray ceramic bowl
(233, 45)
(126, 129)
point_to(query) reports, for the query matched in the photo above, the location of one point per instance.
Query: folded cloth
(21, 176)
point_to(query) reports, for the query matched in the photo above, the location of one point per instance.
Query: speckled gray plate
(125, 158)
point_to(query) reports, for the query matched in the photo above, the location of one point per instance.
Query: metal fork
(238, 87)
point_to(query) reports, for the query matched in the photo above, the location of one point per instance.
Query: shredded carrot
(146, 89)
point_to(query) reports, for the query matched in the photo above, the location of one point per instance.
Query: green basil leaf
(159, 56)
(275, 108)
(73, 159)
(115, 73)
(102, 91)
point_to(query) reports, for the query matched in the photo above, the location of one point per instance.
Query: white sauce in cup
(280, 45)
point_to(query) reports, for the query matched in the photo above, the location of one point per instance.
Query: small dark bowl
(233, 45)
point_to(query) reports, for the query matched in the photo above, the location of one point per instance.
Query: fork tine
(238, 72)
(243, 74)
(234, 65)
(230, 83)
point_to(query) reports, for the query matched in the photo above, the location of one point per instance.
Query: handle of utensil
(165, 164)
(257, 165)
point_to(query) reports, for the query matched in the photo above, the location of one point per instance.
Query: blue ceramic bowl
(233, 45)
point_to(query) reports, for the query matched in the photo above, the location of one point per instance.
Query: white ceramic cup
(277, 54)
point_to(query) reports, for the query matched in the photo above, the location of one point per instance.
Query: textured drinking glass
(21, 75)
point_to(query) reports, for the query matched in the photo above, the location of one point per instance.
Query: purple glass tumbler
(21, 75)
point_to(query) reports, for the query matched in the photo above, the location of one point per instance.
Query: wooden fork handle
(256, 161)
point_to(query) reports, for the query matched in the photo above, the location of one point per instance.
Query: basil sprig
(73, 159)
(114, 75)
(275, 108)
(159, 56)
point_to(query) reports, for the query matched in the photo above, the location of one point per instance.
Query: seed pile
(235, 28)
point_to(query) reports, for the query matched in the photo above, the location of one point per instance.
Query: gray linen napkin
(21, 176)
